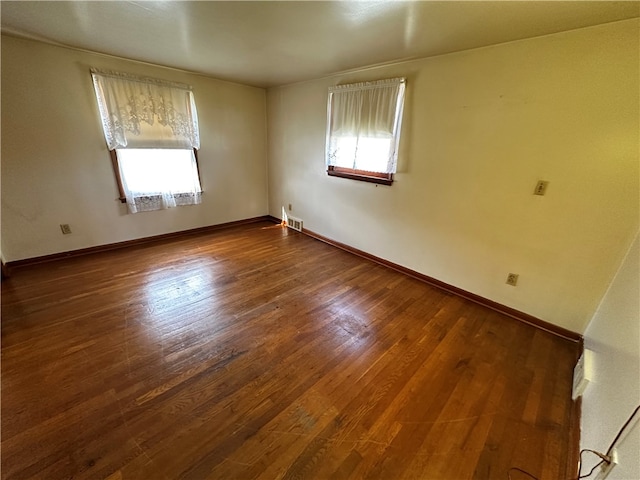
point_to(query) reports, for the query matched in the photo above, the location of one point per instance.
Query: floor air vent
(294, 223)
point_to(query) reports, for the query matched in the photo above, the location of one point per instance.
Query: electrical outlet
(512, 279)
(289, 207)
(66, 229)
(541, 187)
(605, 468)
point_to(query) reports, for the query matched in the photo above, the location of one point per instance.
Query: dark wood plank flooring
(257, 352)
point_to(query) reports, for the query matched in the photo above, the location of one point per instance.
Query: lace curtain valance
(142, 112)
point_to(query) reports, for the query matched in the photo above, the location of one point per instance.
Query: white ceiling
(275, 43)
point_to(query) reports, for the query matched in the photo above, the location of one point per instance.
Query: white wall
(480, 128)
(614, 337)
(56, 167)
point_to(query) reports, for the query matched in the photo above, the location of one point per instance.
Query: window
(151, 130)
(154, 179)
(363, 130)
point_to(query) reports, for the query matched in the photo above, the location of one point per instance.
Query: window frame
(116, 170)
(381, 178)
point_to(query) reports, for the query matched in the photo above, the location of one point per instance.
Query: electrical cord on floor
(516, 469)
(605, 457)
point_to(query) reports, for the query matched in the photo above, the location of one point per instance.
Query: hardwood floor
(258, 352)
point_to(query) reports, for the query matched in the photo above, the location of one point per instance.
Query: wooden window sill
(371, 177)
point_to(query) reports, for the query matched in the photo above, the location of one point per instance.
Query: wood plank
(259, 352)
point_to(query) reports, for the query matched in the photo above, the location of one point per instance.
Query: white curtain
(363, 125)
(153, 127)
(142, 112)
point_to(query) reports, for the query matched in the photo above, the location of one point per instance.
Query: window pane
(345, 148)
(373, 154)
(370, 154)
(147, 171)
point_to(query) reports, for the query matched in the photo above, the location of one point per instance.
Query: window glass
(364, 153)
(149, 171)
